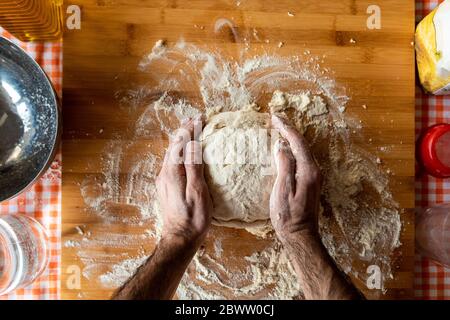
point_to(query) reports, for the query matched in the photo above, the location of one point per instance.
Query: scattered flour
(218, 250)
(121, 272)
(71, 244)
(359, 223)
(268, 274)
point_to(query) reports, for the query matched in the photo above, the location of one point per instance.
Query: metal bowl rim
(56, 137)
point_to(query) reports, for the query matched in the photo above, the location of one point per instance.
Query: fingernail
(198, 120)
(185, 121)
(278, 145)
(281, 145)
(278, 122)
(177, 136)
(275, 119)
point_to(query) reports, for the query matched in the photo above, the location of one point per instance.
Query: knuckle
(310, 177)
(196, 174)
(174, 172)
(197, 190)
(315, 174)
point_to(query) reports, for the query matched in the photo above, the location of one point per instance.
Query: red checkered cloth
(431, 281)
(43, 200)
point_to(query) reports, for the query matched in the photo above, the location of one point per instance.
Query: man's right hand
(294, 208)
(294, 203)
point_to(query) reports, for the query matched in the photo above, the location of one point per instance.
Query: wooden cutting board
(377, 68)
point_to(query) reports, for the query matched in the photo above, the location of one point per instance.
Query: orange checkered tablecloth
(43, 200)
(431, 280)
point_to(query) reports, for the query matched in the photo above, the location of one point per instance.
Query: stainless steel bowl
(29, 120)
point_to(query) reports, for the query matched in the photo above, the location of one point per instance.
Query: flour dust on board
(359, 221)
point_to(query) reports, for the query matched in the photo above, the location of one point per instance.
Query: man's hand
(294, 206)
(182, 191)
(186, 207)
(294, 203)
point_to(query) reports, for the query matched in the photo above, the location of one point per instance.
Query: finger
(173, 164)
(285, 165)
(194, 125)
(199, 121)
(193, 163)
(299, 146)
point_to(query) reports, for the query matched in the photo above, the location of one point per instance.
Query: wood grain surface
(101, 58)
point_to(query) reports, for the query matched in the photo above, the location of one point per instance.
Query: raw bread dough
(237, 152)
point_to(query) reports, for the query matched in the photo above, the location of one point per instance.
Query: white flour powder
(359, 224)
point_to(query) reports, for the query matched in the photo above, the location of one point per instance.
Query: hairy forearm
(159, 276)
(318, 276)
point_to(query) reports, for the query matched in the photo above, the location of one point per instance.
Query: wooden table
(378, 70)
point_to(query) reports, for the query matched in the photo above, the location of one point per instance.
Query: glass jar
(23, 251)
(433, 233)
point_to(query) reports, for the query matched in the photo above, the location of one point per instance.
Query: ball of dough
(238, 167)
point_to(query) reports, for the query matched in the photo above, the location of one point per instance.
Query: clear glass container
(433, 233)
(23, 251)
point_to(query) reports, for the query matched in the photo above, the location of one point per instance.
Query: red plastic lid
(434, 150)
